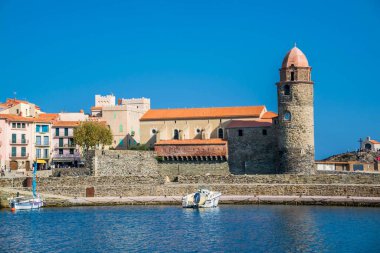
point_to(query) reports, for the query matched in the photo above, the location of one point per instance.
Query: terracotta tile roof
(11, 117)
(374, 142)
(12, 102)
(204, 113)
(192, 142)
(66, 123)
(96, 108)
(269, 115)
(48, 116)
(248, 124)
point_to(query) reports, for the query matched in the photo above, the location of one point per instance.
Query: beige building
(123, 118)
(195, 123)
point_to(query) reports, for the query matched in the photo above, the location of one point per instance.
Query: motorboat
(203, 198)
(27, 203)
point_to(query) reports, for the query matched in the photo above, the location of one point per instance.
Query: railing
(19, 142)
(42, 157)
(70, 135)
(75, 155)
(26, 155)
(42, 144)
(65, 146)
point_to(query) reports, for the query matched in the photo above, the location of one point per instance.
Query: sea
(227, 228)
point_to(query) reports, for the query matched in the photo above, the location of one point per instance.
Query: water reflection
(173, 229)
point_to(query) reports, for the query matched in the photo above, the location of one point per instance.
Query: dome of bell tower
(295, 57)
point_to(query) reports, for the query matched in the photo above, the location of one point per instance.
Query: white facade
(108, 100)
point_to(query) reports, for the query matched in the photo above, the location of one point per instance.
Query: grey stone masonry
(295, 123)
(254, 152)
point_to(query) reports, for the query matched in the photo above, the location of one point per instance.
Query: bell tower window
(292, 76)
(286, 90)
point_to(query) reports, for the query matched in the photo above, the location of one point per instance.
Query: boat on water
(27, 203)
(203, 198)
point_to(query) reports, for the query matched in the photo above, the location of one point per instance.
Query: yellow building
(195, 123)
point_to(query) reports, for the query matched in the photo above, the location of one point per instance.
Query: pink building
(65, 152)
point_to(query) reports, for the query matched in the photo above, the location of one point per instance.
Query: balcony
(43, 157)
(70, 135)
(18, 156)
(42, 144)
(19, 142)
(64, 146)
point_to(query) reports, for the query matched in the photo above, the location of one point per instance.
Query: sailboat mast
(34, 183)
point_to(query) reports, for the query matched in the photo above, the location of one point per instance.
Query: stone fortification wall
(369, 179)
(144, 163)
(277, 185)
(174, 168)
(123, 163)
(254, 152)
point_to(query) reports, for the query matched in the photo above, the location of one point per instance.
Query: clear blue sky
(59, 54)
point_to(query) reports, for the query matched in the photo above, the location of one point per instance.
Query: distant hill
(361, 156)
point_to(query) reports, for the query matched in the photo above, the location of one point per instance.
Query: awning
(41, 161)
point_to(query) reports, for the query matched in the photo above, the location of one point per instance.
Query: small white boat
(203, 198)
(27, 203)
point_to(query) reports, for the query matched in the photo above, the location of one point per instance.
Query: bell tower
(295, 122)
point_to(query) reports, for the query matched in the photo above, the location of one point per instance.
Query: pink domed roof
(295, 57)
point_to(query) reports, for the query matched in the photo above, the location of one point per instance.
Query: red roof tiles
(204, 113)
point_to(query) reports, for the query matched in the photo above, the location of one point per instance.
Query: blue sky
(59, 54)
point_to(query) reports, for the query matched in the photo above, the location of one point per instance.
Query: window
(240, 132)
(154, 131)
(176, 134)
(286, 90)
(220, 133)
(38, 128)
(38, 153)
(23, 125)
(198, 131)
(13, 125)
(292, 76)
(71, 151)
(46, 140)
(14, 151)
(18, 125)
(14, 138)
(57, 131)
(23, 139)
(66, 132)
(46, 153)
(45, 128)
(60, 151)
(287, 116)
(17, 111)
(265, 132)
(38, 140)
(71, 142)
(23, 151)
(60, 142)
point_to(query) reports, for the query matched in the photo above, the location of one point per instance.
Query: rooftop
(295, 57)
(204, 113)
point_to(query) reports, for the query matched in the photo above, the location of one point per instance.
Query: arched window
(176, 134)
(220, 133)
(292, 76)
(287, 116)
(286, 90)
(368, 146)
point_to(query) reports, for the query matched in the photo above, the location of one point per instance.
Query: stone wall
(362, 179)
(254, 152)
(124, 163)
(277, 185)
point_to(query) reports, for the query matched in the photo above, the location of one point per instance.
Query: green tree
(90, 134)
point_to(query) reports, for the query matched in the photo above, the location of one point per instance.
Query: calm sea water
(173, 229)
